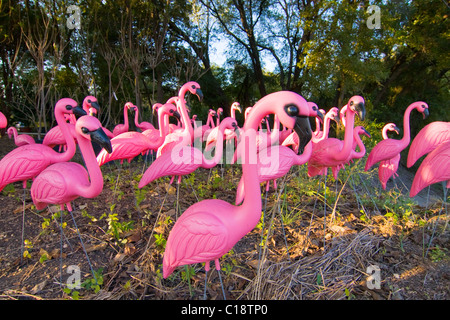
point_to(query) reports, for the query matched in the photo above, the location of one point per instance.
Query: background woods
(141, 51)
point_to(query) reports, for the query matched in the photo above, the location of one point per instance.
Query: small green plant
(160, 241)
(437, 254)
(74, 294)
(95, 282)
(187, 275)
(27, 246)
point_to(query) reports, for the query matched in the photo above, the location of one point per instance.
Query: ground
(125, 228)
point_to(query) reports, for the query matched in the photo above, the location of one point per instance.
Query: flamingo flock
(208, 229)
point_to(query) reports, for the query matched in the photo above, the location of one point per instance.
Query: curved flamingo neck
(14, 132)
(188, 129)
(304, 157)
(348, 137)
(360, 144)
(384, 133)
(406, 127)
(70, 142)
(136, 118)
(125, 118)
(94, 172)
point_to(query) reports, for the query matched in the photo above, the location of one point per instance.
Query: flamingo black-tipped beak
(199, 94)
(303, 129)
(397, 130)
(426, 113)
(101, 138)
(320, 115)
(78, 111)
(96, 106)
(177, 115)
(360, 109)
(367, 133)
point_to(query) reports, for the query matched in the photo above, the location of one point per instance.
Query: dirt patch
(325, 255)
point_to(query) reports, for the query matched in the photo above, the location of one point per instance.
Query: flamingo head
(314, 111)
(69, 106)
(333, 113)
(10, 132)
(357, 105)
(422, 107)
(291, 109)
(90, 105)
(392, 127)
(90, 128)
(170, 109)
(236, 106)
(156, 106)
(130, 106)
(194, 88)
(219, 111)
(361, 130)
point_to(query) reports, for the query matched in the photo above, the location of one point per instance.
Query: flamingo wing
(124, 146)
(383, 150)
(198, 237)
(179, 162)
(434, 168)
(24, 163)
(427, 139)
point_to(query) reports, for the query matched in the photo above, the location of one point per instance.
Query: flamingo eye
(292, 110)
(68, 107)
(423, 107)
(193, 86)
(85, 130)
(314, 108)
(89, 101)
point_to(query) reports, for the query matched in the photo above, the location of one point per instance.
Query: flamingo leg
(220, 279)
(282, 222)
(82, 244)
(23, 222)
(263, 224)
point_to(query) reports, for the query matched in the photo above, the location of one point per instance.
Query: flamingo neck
(14, 132)
(218, 152)
(233, 113)
(136, 118)
(94, 172)
(362, 148)
(384, 133)
(70, 141)
(348, 137)
(188, 129)
(406, 127)
(125, 118)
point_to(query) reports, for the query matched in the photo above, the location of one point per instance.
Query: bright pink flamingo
(388, 168)
(144, 125)
(184, 136)
(130, 144)
(25, 162)
(92, 108)
(332, 152)
(55, 137)
(389, 148)
(203, 131)
(3, 121)
(121, 128)
(434, 168)
(428, 138)
(20, 139)
(210, 228)
(63, 182)
(185, 159)
(211, 138)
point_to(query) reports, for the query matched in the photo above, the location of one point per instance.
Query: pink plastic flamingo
(434, 168)
(63, 182)
(332, 152)
(144, 125)
(130, 144)
(428, 138)
(3, 121)
(388, 168)
(121, 128)
(186, 135)
(210, 228)
(389, 148)
(185, 159)
(20, 139)
(25, 162)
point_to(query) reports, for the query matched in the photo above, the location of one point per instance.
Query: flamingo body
(3, 121)
(434, 168)
(428, 138)
(20, 139)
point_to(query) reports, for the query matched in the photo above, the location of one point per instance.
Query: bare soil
(329, 255)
